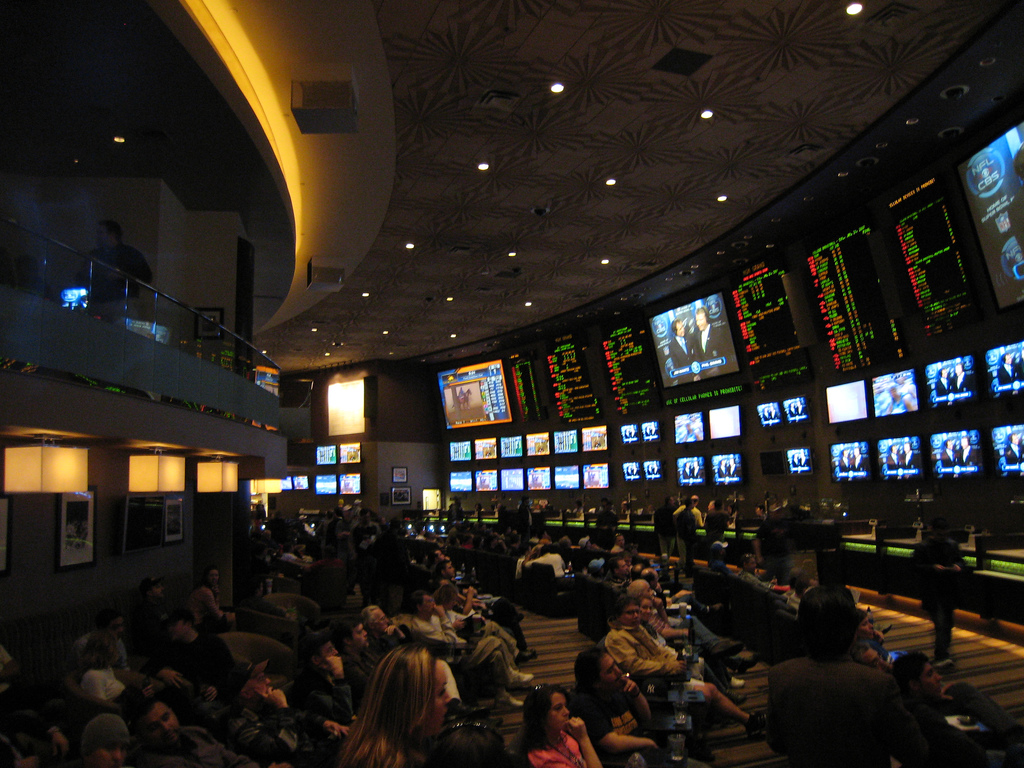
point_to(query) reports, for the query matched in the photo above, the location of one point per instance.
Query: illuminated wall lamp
(217, 477)
(266, 485)
(156, 473)
(46, 469)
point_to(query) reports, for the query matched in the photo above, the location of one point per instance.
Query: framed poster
(401, 496)
(76, 530)
(5, 536)
(399, 474)
(174, 520)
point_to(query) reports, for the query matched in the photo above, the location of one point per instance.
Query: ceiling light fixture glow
(707, 114)
(482, 166)
(449, 298)
(119, 139)
(722, 198)
(529, 303)
(410, 246)
(610, 182)
(604, 261)
(511, 253)
(854, 8)
(386, 332)
(313, 330)
(557, 87)
(366, 294)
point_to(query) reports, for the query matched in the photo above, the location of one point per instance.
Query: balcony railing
(63, 311)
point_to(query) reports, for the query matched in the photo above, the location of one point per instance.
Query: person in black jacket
(664, 528)
(938, 562)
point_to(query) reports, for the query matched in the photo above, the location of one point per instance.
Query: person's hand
(945, 691)
(630, 688)
(337, 667)
(459, 624)
(336, 730)
(209, 693)
(148, 691)
(576, 728)
(59, 742)
(171, 677)
(276, 698)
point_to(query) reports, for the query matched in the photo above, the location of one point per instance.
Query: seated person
(716, 558)
(321, 687)
(353, 643)
(931, 703)
(549, 554)
(748, 572)
(148, 618)
(105, 742)
(866, 633)
(799, 582)
(550, 736)
(616, 571)
(611, 705)
(638, 654)
(107, 620)
(204, 602)
(262, 725)
(381, 635)
(96, 668)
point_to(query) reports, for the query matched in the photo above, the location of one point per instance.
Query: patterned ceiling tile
(890, 69)
(597, 76)
(644, 24)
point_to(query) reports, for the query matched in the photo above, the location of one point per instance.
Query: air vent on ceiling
(805, 149)
(680, 61)
(643, 265)
(891, 13)
(495, 98)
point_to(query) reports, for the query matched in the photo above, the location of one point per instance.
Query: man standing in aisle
(938, 562)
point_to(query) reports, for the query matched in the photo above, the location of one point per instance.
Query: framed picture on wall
(209, 322)
(5, 536)
(76, 530)
(399, 474)
(401, 496)
(174, 520)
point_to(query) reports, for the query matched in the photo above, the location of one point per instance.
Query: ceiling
(800, 92)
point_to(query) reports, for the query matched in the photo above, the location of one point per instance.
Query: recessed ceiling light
(452, 336)
(769, 245)
(410, 246)
(604, 261)
(119, 139)
(263, 351)
(386, 332)
(987, 62)
(482, 166)
(511, 253)
(610, 182)
(854, 8)
(707, 114)
(557, 87)
(843, 174)
(529, 303)
(449, 298)
(882, 145)
(722, 198)
(912, 121)
(327, 354)
(721, 253)
(366, 294)
(313, 330)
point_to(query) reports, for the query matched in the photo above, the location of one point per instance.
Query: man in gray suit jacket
(827, 710)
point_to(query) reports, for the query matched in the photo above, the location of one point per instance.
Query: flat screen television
(461, 450)
(693, 342)
(474, 395)
(326, 454)
(300, 482)
(595, 476)
(956, 454)
(650, 431)
(773, 463)
(143, 526)
(350, 483)
(770, 414)
(326, 485)
(728, 468)
(538, 444)
(1005, 369)
(847, 402)
(951, 381)
(512, 447)
(724, 422)
(349, 453)
(487, 480)
(460, 482)
(513, 480)
(594, 438)
(894, 393)
(631, 471)
(629, 434)
(1008, 443)
(995, 193)
(689, 427)
(567, 478)
(538, 478)
(690, 471)
(899, 458)
(286, 483)
(652, 469)
(566, 441)
(798, 461)
(850, 461)
(795, 409)
(485, 448)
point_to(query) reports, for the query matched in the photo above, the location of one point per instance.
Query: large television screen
(326, 454)
(487, 479)
(690, 471)
(1008, 443)
(594, 438)
(689, 428)
(724, 422)
(694, 341)
(994, 192)
(894, 393)
(326, 485)
(460, 482)
(1005, 369)
(512, 447)
(850, 462)
(798, 461)
(461, 450)
(474, 395)
(566, 441)
(350, 483)
(485, 448)
(538, 444)
(567, 478)
(951, 381)
(847, 402)
(513, 479)
(595, 476)
(630, 471)
(538, 478)
(795, 409)
(956, 454)
(728, 468)
(899, 458)
(770, 414)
